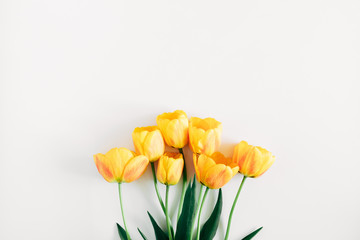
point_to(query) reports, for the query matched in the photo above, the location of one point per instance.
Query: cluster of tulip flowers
(212, 169)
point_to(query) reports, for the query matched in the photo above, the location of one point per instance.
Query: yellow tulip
(214, 171)
(120, 165)
(148, 141)
(252, 161)
(204, 135)
(175, 128)
(169, 168)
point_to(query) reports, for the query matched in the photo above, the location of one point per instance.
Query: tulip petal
(154, 145)
(267, 160)
(204, 135)
(135, 168)
(240, 152)
(217, 176)
(195, 136)
(204, 163)
(104, 167)
(174, 171)
(177, 133)
(174, 128)
(161, 170)
(209, 142)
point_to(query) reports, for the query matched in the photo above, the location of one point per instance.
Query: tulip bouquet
(212, 169)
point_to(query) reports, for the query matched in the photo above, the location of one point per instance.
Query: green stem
(122, 212)
(167, 213)
(198, 223)
(157, 192)
(197, 208)
(156, 188)
(233, 207)
(183, 186)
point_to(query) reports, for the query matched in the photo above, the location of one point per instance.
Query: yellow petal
(119, 158)
(204, 135)
(217, 176)
(174, 171)
(267, 159)
(195, 138)
(104, 167)
(240, 152)
(177, 132)
(161, 170)
(135, 168)
(204, 163)
(154, 145)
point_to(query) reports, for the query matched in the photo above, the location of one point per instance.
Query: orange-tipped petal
(204, 163)
(218, 176)
(135, 168)
(252, 161)
(119, 158)
(104, 167)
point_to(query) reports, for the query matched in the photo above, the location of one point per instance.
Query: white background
(77, 77)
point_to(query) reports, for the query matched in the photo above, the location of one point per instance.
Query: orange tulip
(120, 165)
(204, 135)
(148, 141)
(174, 127)
(169, 168)
(252, 161)
(214, 171)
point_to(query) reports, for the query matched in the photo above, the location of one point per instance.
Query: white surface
(77, 77)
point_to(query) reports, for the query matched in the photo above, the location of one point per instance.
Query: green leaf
(142, 235)
(183, 228)
(159, 233)
(251, 235)
(209, 229)
(122, 232)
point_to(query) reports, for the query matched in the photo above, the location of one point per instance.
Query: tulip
(204, 135)
(169, 168)
(214, 171)
(148, 141)
(120, 165)
(168, 172)
(174, 127)
(252, 161)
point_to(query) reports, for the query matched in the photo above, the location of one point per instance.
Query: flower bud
(252, 161)
(174, 128)
(148, 141)
(170, 167)
(120, 165)
(204, 135)
(214, 171)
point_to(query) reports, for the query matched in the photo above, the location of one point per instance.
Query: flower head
(252, 161)
(204, 135)
(214, 171)
(148, 141)
(120, 165)
(174, 127)
(169, 168)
